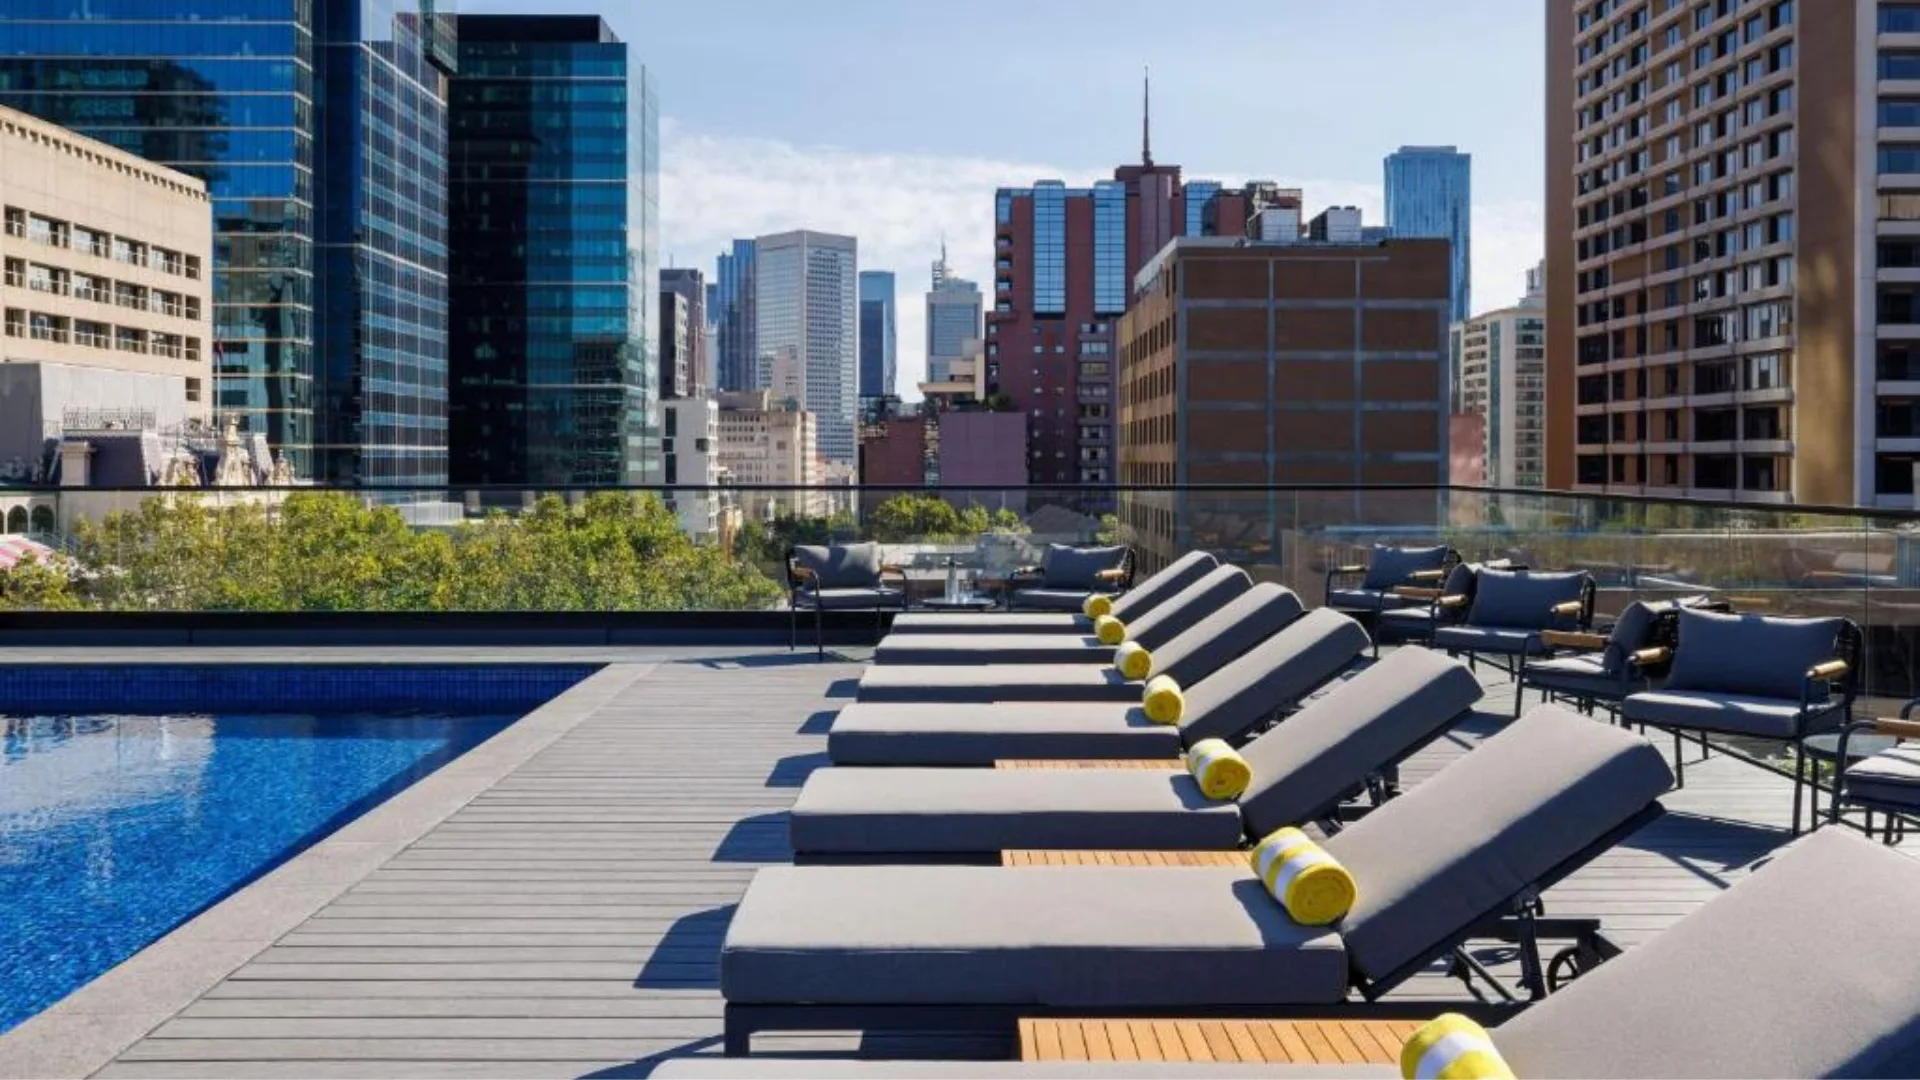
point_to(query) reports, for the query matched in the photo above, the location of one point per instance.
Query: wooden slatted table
(1258, 1042)
(1019, 857)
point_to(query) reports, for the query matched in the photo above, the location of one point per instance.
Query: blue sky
(894, 120)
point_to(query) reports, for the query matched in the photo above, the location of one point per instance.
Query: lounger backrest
(1272, 676)
(1306, 763)
(1463, 842)
(1214, 590)
(1158, 588)
(1803, 969)
(1226, 632)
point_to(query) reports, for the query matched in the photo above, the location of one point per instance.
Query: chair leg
(820, 632)
(793, 626)
(1799, 774)
(1679, 763)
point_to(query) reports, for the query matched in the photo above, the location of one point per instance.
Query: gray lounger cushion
(1805, 968)
(978, 811)
(1226, 704)
(1053, 936)
(1304, 766)
(991, 649)
(1890, 777)
(989, 622)
(1180, 613)
(1207, 646)
(1006, 682)
(715, 1067)
(1044, 599)
(1474, 834)
(1164, 585)
(1731, 714)
(979, 735)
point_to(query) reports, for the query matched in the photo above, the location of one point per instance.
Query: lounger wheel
(1569, 964)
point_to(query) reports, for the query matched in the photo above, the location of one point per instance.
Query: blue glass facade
(1430, 194)
(1050, 247)
(1110, 248)
(879, 340)
(1200, 195)
(734, 313)
(555, 289)
(318, 126)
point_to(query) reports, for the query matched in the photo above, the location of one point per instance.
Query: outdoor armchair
(839, 577)
(1066, 576)
(1511, 609)
(1370, 587)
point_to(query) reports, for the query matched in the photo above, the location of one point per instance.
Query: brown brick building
(1274, 363)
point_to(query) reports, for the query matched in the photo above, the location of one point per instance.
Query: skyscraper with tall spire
(953, 317)
(1064, 260)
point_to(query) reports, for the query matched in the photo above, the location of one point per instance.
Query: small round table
(1859, 748)
(969, 602)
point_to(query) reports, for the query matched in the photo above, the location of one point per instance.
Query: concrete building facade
(763, 443)
(1733, 222)
(807, 331)
(1273, 363)
(106, 302)
(1500, 375)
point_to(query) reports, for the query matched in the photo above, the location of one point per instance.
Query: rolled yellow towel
(1096, 605)
(1109, 630)
(1132, 661)
(1314, 888)
(1163, 701)
(1452, 1047)
(1221, 771)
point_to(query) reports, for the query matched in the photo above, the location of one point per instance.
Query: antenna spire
(1146, 115)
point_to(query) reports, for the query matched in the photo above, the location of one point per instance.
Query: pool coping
(87, 1030)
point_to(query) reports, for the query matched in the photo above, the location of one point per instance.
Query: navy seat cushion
(1756, 655)
(1523, 599)
(841, 566)
(1066, 567)
(1392, 566)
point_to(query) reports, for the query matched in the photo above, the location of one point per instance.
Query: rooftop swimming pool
(116, 827)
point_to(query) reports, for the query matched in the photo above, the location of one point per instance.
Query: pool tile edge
(90, 1028)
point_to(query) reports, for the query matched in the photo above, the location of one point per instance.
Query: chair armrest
(1899, 729)
(1427, 575)
(1348, 569)
(1658, 654)
(1454, 601)
(1113, 576)
(1568, 639)
(1569, 607)
(1415, 592)
(893, 568)
(1832, 669)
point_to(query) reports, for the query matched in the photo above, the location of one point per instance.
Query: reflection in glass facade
(329, 248)
(733, 315)
(1109, 248)
(1430, 194)
(1050, 247)
(878, 340)
(1200, 195)
(555, 287)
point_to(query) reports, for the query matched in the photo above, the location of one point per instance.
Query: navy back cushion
(1066, 567)
(1756, 655)
(842, 566)
(1392, 566)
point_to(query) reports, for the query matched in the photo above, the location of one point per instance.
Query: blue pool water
(115, 829)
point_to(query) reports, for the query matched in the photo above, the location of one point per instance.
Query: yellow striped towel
(1096, 605)
(1163, 701)
(1221, 771)
(1132, 661)
(1314, 888)
(1109, 630)
(1452, 1047)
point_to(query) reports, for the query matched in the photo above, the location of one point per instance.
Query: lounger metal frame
(1517, 919)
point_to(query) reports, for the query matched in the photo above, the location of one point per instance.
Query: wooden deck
(567, 922)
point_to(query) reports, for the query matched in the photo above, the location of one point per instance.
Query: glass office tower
(1429, 194)
(879, 344)
(734, 316)
(329, 246)
(556, 290)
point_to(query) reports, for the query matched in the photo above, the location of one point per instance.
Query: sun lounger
(1244, 622)
(1228, 704)
(1154, 629)
(1303, 769)
(1743, 986)
(1137, 601)
(869, 948)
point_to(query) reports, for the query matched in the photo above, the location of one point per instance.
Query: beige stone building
(764, 443)
(106, 294)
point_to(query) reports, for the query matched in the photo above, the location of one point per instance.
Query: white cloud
(715, 188)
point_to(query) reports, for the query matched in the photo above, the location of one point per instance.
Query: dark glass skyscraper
(734, 315)
(554, 178)
(879, 342)
(319, 127)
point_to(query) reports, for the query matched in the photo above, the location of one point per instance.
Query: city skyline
(906, 166)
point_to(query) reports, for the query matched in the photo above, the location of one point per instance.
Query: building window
(1050, 248)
